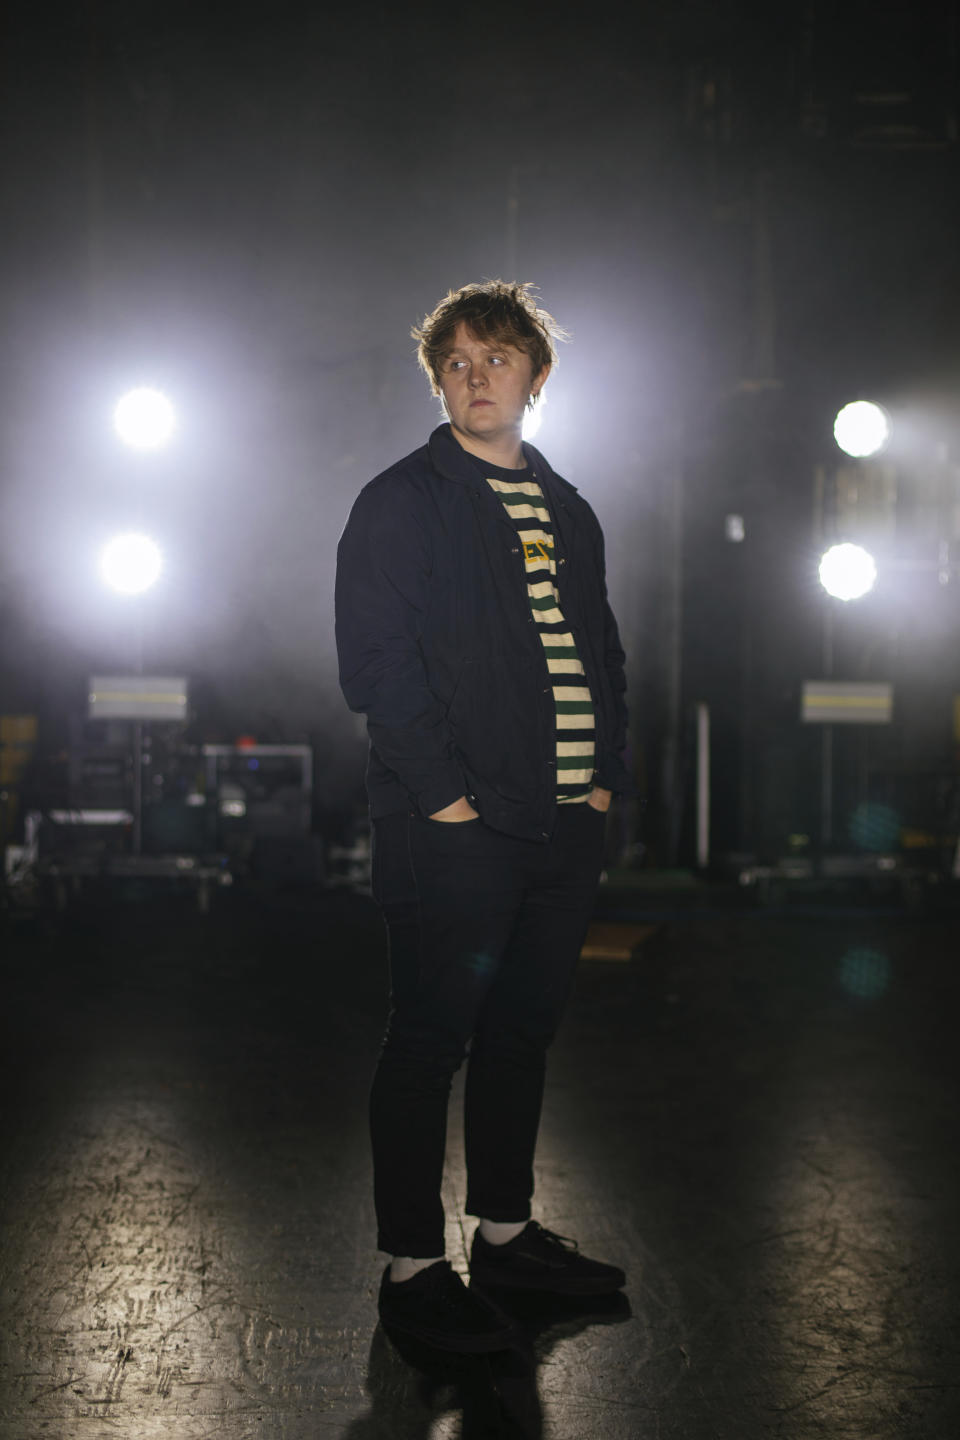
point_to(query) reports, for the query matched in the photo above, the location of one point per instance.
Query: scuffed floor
(757, 1118)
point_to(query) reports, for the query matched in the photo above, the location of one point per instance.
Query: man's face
(485, 387)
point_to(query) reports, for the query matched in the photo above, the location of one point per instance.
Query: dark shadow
(411, 1384)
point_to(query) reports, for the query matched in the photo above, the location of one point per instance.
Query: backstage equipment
(18, 740)
(63, 848)
(260, 807)
(134, 803)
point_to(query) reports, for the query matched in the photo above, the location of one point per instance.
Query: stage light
(847, 572)
(130, 563)
(861, 429)
(144, 419)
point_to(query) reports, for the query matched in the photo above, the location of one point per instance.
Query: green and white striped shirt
(526, 507)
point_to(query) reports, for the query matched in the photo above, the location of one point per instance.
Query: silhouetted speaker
(172, 828)
(259, 791)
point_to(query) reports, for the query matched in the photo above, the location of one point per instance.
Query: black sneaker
(436, 1307)
(537, 1259)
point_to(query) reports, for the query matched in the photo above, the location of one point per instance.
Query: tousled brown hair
(497, 311)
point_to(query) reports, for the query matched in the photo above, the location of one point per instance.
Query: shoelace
(563, 1241)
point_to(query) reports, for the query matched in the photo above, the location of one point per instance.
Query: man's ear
(539, 380)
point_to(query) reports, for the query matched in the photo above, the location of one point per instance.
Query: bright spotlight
(847, 572)
(861, 428)
(144, 419)
(532, 418)
(130, 563)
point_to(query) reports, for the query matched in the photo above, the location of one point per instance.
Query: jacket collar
(453, 462)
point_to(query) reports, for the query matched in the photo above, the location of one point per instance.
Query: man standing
(474, 633)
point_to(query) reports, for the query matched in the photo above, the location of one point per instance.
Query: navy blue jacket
(438, 647)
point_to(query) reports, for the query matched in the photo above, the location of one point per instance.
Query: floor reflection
(865, 972)
(189, 1245)
(415, 1388)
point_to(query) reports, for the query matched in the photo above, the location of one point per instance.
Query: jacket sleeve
(384, 565)
(612, 774)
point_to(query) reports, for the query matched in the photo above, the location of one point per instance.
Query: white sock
(404, 1267)
(498, 1232)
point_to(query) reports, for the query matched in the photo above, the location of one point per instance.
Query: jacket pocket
(496, 724)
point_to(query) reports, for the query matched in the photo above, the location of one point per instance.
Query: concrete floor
(757, 1118)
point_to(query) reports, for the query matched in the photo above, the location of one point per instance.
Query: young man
(474, 633)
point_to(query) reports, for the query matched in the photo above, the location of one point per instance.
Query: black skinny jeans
(485, 931)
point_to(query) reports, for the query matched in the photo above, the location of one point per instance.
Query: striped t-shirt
(526, 507)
